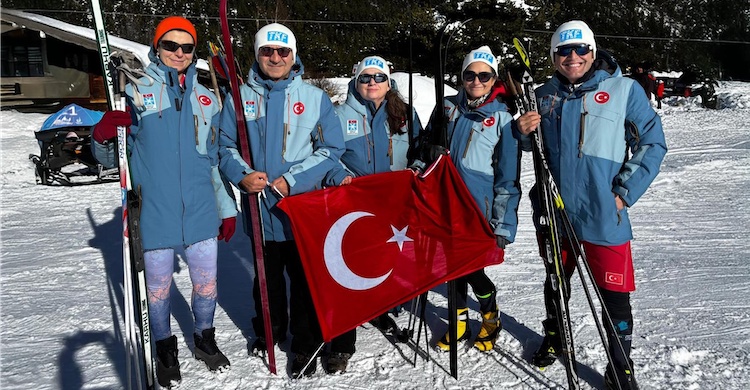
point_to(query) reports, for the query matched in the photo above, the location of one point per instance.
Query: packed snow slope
(61, 296)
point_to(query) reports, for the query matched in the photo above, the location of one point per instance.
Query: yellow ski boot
(462, 330)
(491, 326)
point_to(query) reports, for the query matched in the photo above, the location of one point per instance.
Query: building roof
(13, 20)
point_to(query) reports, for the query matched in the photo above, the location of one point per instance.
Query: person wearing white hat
(377, 136)
(486, 154)
(295, 139)
(591, 118)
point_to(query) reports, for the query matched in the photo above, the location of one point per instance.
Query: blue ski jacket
(487, 156)
(293, 132)
(173, 154)
(370, 147)
(587, 132)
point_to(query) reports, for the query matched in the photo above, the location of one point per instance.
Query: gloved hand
(226, 230)
(106, 129)
(502, 242)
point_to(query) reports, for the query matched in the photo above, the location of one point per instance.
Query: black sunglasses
(580, 49)
(484, 77)
(187, 48)
(266, 51)
(365, 78)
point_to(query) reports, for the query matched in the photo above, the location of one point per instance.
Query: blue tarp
(72, 115)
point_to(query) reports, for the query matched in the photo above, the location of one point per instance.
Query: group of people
(182, 149)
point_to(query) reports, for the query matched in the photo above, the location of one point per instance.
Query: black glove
(502, 242)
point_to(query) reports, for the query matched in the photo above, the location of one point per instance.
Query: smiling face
(372, 90)
(476, 88)
(573, 66)
(176, 59)
(275, 66)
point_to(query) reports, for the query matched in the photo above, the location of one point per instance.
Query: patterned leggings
(201, 260)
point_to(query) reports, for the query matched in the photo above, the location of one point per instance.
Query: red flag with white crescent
(386, 238)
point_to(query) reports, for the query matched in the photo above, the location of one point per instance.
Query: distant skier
(590, 118)
(173, 148)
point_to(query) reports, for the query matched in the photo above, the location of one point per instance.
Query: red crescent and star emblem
(601, 97)
(205, 100)
(487, 122)
(298, 108)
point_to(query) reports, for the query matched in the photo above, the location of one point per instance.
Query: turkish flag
(386, 238)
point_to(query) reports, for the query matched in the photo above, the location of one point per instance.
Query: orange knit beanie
(174, 23)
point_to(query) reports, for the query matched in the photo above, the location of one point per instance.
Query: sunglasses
(365, 78)
(266, 51)
(580, 49)
(187, 48)
(484, 77)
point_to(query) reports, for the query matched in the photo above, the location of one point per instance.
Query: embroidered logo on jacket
(614, 278)
(601, 97)
(487, 122)
(149, 101)
(352, 127)
(204, 100)
(298, 108)
(250, 108)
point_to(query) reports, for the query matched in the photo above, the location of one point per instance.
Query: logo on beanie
(205, 100)
(278, 36)
(484, 56)
(298, 108)
(352, 127)
(601, 97)
(573, 33)
(374, 62)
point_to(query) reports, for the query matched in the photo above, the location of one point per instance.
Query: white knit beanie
(277, 35)
(483, 54)
(572, 32)
(373, 62)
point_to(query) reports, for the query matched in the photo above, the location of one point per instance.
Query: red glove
(226, 230)
(106, 129)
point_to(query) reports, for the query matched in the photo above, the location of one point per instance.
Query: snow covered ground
(61, 294)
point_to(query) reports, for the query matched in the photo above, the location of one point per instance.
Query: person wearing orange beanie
(172, 146)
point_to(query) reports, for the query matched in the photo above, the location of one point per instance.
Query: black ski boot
(207, 351)
(625, 377)
(167, 365)
(551, 346)
(336, 362)
(299, 363)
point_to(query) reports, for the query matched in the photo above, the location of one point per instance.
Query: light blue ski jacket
(173, 153)
(370, 147)
(587, 133)
(487, 156)
(293, 132)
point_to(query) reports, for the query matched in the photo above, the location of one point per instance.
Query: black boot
(336, 362)
(207, 351)
(167, 365)
(551, 346)
(300, 361)
(621, 375)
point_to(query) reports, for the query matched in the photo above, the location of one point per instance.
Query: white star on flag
(399, 236)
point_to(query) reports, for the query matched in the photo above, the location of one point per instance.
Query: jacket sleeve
(225, 202)
(231, 163)
(645, 137)
(328, 146)
(507, 186)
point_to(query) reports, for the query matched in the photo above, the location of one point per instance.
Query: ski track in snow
(61, 293)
